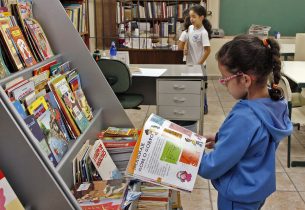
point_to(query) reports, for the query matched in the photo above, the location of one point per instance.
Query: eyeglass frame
(225, 80)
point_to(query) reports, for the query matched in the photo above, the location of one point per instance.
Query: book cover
(44, 68)
(4, 72)
(5, 23)
(64, 92)
(54, 84)
(20, 109)
(21, 92)
(39, 37)
(167, 154)
(54, 136)
(38, 134)
(103, 162)
(53, 106)
(40, 101)
(22, 46)
(24, 8)
(82, 101)
(8, 198)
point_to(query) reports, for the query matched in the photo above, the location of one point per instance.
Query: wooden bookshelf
(163, 30)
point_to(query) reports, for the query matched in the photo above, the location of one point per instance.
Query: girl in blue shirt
(242, 164)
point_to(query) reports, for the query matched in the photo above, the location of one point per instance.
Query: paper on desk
(192, 74)
(149, 72)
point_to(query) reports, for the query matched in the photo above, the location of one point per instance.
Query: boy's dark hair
(187, 23)
(250, 54)
(201, 11)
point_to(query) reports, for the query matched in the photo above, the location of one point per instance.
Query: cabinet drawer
(179, 86)
(179, 99)
(174, 112)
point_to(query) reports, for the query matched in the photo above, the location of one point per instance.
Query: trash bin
(190, 125)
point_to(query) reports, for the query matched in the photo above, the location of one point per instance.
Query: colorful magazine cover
(19, 40)
(51, 101)
(167, 154)
(64, 92)
(8, 198)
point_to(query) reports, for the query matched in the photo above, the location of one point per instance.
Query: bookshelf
(36, 182)
(160, 24)
(78, 13)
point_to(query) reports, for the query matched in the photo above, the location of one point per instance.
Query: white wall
(214, 6)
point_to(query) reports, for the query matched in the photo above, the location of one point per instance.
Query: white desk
(287, 50)
(295, 70)
(178, 92)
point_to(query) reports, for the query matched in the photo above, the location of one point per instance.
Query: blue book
(20, 109)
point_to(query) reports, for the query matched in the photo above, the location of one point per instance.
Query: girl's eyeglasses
(225, 80)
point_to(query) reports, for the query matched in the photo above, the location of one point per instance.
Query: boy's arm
(206, 53)
(185, 50)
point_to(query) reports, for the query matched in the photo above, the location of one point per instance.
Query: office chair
(118, 76)
(299, 47)
(294, 100)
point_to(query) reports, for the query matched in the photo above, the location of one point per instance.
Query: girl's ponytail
(208, 26)
(274, 61)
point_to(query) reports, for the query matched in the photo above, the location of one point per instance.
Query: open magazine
(167, 154)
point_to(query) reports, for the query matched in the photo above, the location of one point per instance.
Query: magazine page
(167, 154)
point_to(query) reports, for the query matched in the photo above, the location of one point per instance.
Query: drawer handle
(179, 112)
(177, 100)
(179, 87)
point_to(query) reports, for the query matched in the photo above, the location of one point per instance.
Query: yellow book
(37, 104)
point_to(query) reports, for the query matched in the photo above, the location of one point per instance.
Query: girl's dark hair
(249, 54)
(201, 11)
(187, 23)
(185, 13)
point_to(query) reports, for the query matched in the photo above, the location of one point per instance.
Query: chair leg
(288, 151)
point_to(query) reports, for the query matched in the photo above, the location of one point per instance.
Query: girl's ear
(247, 80)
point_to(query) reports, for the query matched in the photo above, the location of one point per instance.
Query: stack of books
(259, 30)
(77, 14)
(119, 142)
(154, 197)
(22, 40)
(53, 105)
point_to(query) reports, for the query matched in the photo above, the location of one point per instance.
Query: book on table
(167, 154)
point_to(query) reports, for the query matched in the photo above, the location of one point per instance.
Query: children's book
(44, 68)
(167, 154)
(38, 134)
(39, 38)
(5, 23)
(8, 198)
(4, 72)
(21, 92)
(64, 93)
(20, 109)
(68, 118)
(103, 162)
(82, 101)
(53, 106)
(22, 46)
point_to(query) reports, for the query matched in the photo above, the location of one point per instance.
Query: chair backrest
(284, 84)
(116, 69)
(299, 47)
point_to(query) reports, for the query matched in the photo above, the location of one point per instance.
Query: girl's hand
(210, 141)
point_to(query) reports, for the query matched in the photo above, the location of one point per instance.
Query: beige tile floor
(290, 194)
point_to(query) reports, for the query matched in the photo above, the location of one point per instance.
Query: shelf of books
(53, 98)
(151, 24)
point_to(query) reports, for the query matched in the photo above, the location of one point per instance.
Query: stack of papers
(148, 72)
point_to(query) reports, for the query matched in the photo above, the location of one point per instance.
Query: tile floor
(290, 194)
